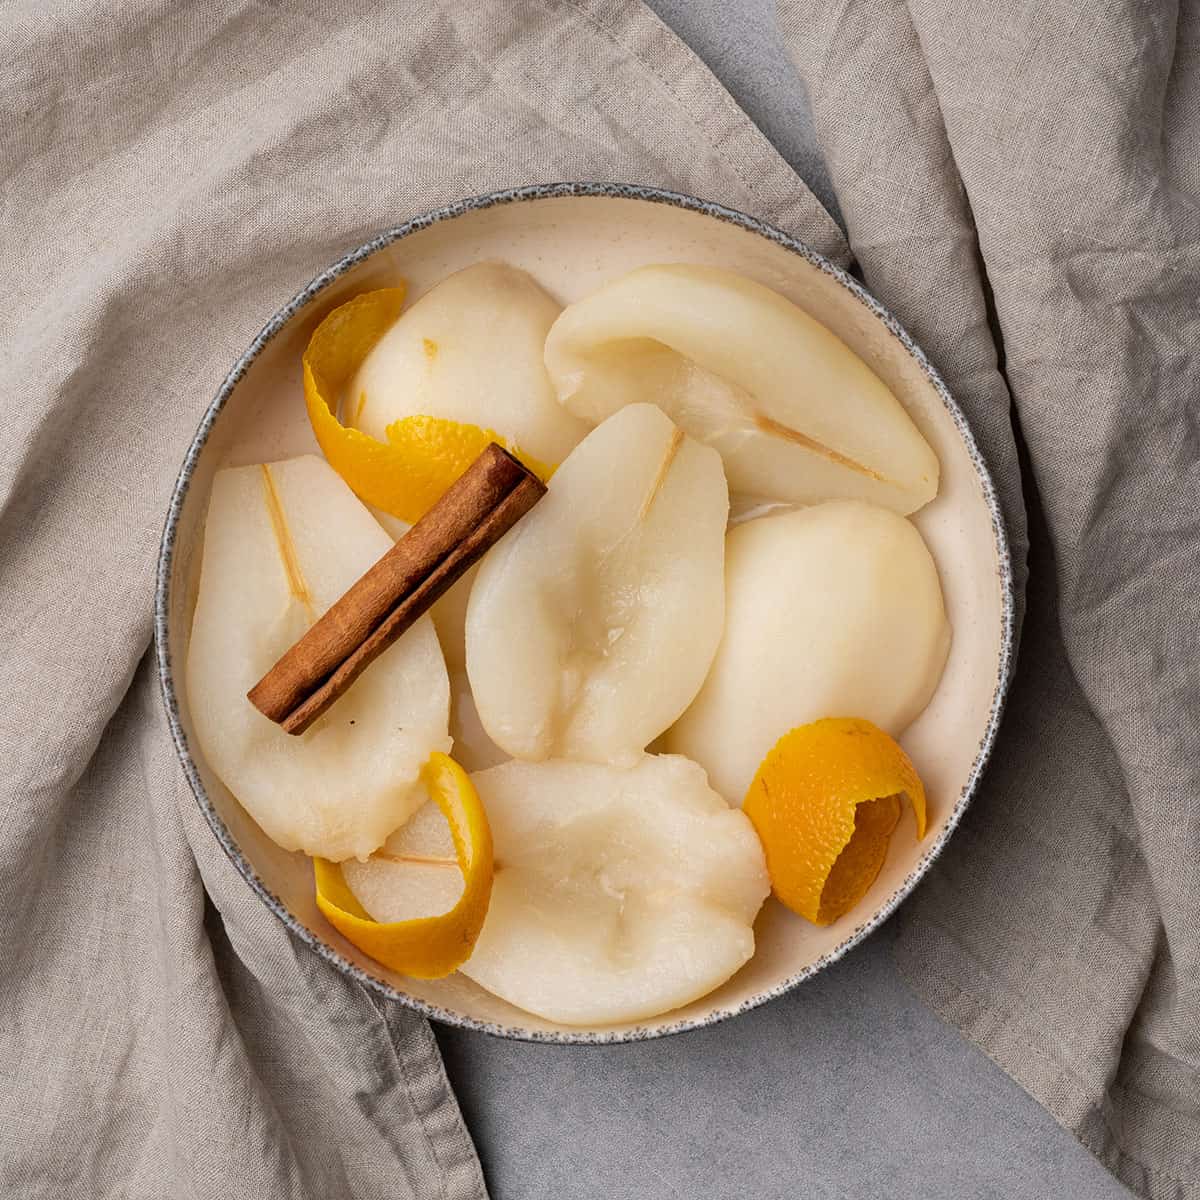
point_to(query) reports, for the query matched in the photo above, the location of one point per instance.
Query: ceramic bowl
(572, 238)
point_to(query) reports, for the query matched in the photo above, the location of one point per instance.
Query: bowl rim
(394, 234)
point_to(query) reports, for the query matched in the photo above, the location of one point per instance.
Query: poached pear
(831, 611)
(591, 625)
(469, 350)
(797, 416)
(282, 542)
(619, 893)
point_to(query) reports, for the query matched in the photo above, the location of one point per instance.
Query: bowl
(572, 238)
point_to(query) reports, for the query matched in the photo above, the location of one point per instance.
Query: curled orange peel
(422, 456)
(825, 802)
(425, 947)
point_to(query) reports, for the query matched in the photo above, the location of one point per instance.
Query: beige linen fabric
(1048, 156)
(170, 174)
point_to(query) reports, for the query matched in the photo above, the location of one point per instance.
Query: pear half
(831, 611)
(592, 624)
(619, 893)
(282, 542)
(469, 350)
(796, 415)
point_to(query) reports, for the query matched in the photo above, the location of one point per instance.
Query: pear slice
(593, 623)
(282, 542)
(832, 611)
(796, 415)
(619, 893)
(469, 350)
(414, 874)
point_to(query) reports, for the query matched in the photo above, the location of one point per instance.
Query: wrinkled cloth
(1020, 184)
(169, 176)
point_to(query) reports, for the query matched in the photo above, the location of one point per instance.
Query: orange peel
(425, 947)
(422, 456)
(825, 802)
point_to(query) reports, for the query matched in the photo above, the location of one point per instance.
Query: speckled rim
(285, 314)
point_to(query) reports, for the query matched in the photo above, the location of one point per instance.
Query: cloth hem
(423, 1074)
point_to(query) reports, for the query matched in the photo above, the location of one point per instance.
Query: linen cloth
(1019, 187)
(169, 175)
(1020, 184)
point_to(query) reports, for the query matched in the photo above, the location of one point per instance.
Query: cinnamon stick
(477, 510)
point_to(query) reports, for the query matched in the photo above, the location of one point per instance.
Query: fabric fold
(1042, 157)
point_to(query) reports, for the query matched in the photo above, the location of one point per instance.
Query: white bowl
(573, 237)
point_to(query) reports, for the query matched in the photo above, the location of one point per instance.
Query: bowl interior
(571, 244)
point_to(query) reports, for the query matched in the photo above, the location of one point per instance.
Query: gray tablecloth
(171, 174)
